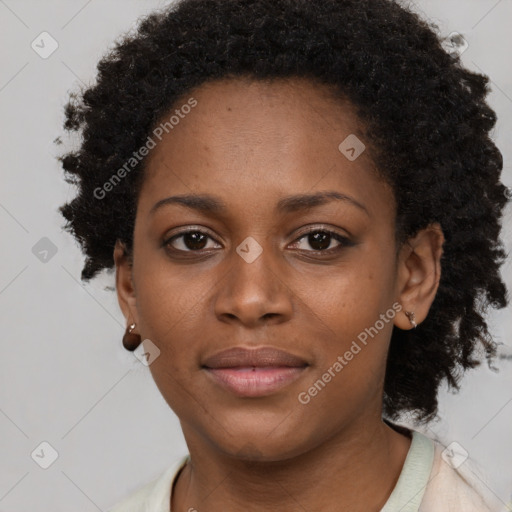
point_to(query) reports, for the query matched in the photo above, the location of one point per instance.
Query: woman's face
(251, 276)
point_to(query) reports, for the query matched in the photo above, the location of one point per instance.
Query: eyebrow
(209, 204)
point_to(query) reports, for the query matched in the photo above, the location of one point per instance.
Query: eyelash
(343, 241)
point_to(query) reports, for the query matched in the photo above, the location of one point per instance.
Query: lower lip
(254, 382)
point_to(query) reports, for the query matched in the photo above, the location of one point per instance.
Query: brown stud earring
(411, 317)
(131, 340)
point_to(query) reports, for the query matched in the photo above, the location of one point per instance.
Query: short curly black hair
(426, 119)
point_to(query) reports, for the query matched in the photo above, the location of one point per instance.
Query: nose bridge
(253, 290)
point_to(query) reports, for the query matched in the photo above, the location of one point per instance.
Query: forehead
(259, 139)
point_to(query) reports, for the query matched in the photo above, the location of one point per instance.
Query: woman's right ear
(124, 283)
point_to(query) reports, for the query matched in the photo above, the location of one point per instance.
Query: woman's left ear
(419, 272)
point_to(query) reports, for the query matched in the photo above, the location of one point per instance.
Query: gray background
(65, 378)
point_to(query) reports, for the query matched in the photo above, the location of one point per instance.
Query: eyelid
(345, 238)
(191, 228)
(323, 227)
(308, 229)
(344, 241)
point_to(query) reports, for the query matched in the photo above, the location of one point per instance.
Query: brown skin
(251, 144)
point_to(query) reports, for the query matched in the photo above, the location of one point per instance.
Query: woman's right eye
(189, 241)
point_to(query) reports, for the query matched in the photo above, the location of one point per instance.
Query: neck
(355, 470)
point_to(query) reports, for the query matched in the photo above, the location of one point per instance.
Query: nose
(254, 293)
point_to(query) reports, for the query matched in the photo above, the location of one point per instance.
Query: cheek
(347, 307)
(349, 298)
(170, 316)
(168, 297)
(171, 319)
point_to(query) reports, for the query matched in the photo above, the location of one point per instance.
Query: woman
(302, 204)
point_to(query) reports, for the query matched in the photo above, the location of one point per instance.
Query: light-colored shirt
(428, 482)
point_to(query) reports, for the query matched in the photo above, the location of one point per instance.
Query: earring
(131, 340)
(411, 317)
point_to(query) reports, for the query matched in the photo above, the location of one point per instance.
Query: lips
(254, 372)
(263, 357)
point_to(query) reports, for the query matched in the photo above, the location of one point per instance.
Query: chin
(266, 445)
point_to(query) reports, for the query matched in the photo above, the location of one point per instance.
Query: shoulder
(155, 496)
(455, 483)
(436, 478)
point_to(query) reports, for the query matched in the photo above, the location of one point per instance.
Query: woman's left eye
(320, 240)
